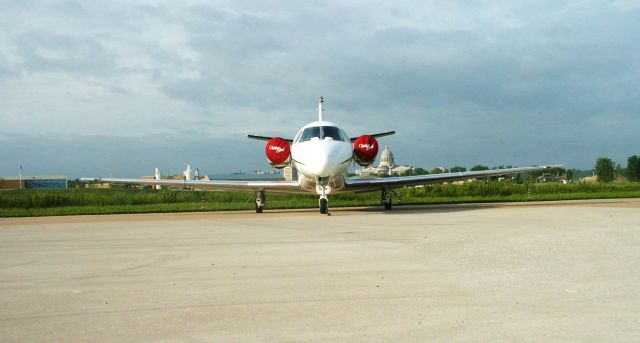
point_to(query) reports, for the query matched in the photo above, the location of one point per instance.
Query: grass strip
(28, 203)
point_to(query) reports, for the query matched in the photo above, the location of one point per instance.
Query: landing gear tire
(386, 199)
(260, 202)
(324, 206)
(387, 206)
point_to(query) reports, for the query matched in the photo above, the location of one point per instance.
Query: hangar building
(13, 182)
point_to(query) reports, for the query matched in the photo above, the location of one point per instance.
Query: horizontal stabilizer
(266, 138)
(376, 135)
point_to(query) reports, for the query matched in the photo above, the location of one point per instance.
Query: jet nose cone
(321, 166)
(321, 158)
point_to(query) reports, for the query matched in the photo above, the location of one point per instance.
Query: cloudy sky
(97, 88)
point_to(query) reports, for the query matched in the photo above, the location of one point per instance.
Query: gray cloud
(510, 83)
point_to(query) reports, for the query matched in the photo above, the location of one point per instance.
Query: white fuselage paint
(325, 160)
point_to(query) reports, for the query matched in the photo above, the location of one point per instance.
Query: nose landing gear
(323, 189)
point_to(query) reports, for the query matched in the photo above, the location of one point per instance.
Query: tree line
(607, 170)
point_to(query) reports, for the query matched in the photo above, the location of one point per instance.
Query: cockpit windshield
(321, 132)
(309, 133)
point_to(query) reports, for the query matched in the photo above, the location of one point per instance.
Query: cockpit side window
(345, 137)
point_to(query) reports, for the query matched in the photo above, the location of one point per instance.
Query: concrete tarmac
(544, 272)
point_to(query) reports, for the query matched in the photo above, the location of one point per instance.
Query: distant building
(387, 166)
(187, 174)
(290, 173)
(102, 185)
(594, 179)
(13, 182)
(157, 176)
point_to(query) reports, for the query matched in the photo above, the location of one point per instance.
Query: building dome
(386, 159)
(387, 166)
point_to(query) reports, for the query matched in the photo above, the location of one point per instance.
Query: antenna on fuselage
(321, 109)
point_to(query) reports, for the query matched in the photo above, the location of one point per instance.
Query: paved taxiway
(547, 272)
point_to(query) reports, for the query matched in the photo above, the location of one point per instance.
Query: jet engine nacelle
(278, 152)
(365, 150)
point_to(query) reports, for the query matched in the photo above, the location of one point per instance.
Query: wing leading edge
(212, 185)
(401, 181)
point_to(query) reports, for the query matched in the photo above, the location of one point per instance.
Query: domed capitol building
(387, 166)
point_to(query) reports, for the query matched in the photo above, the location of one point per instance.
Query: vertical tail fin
(321, 109)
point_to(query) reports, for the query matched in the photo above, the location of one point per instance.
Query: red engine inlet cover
(278, 152)
(365, 150)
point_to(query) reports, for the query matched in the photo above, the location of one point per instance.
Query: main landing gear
(385, 199)
(260, 202)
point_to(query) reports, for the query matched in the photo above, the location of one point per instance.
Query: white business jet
(322, 154)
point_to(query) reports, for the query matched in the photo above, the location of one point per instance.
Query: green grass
(25, 203)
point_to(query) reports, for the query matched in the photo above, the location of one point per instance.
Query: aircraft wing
(212, 185)
(401, 181)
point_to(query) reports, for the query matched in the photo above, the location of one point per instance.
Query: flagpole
(20, 175)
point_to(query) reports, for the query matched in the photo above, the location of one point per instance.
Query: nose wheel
(324, 206)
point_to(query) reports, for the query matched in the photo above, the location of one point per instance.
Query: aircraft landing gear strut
(385, 199)
(324, 201)
(260, 202)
